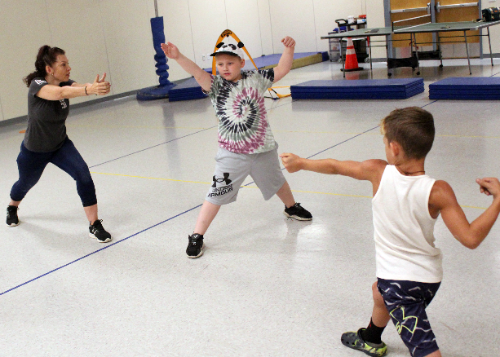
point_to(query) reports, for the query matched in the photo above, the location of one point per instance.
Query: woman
(46, 140)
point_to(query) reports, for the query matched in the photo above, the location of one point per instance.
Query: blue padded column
(162, 90)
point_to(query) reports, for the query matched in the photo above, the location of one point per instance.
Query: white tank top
(404, 229)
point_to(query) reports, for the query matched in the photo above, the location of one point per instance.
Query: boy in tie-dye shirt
(246, 142)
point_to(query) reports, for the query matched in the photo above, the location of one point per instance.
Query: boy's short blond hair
(412, 128)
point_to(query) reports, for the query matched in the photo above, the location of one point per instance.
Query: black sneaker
(12, 219)
(98, 232)
(195, 246)
(298, 212)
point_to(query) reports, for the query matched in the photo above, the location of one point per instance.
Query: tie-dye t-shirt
(243, 124)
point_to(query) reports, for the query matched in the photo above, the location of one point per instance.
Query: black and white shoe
(195, 246)
(98, 232)
(12, 219)
(298, 212)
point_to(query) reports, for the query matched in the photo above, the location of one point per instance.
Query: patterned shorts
(406, 302)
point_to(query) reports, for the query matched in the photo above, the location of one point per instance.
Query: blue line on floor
(171, 218)
(355, 136)
(146, 229)
(429, 103)
(151, 147)
(98, 250)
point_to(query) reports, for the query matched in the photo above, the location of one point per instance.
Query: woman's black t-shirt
(46, 130)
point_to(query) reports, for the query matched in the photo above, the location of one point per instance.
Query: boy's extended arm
(471, 235)
(285, 63)
(201, 76)
(369, 170)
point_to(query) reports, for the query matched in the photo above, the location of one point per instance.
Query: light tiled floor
(266, 286)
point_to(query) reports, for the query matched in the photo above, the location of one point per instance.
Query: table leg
(370, 51)
(467, 50)
(342, 58)
(389, 73)
(414, 40)
(489, 43)
(439, 49)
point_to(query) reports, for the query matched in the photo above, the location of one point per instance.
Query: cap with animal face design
(229, 49)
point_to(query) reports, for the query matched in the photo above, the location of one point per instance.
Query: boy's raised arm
(201, 76)
(285, 63)
(471, 235)
(369, 170)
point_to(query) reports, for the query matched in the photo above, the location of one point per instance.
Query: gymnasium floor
(266, 286)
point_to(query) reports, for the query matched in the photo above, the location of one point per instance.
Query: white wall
(265, 27)
(495, 40)
(375, 18)
(85, 61)
(177, 23)
(127, 41)
(20, 30)
(295, 20)
(114, 36)
(98, 36)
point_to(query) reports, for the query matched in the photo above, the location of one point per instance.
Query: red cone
(351, 60)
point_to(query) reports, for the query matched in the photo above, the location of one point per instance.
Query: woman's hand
(100, 86)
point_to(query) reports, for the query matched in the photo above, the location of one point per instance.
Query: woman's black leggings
(67, 158)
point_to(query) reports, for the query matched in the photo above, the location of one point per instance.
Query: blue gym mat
(190, 89)
(463, 88)
(399, 88)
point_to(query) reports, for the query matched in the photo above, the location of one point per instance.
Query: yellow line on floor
(469, 136)
(149, 178)
(319, 132)
(332, 194)
(276, 131)
(379, 134)
(207, 183)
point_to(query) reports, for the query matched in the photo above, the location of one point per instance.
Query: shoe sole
(13, 224)
(100, 241)
(297, 217)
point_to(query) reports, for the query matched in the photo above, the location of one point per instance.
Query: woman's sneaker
(353, 340)
(12, 219)
(98, 232)
(195, 246)
(298, 212)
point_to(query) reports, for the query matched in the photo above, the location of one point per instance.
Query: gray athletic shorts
(232, 169)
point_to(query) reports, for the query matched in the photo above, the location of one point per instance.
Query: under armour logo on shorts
(221, 179)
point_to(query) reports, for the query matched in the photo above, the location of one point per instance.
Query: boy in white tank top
(406, 204)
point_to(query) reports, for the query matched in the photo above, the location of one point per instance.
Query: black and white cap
(229, 49)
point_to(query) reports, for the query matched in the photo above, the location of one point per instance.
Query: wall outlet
(203, 57)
